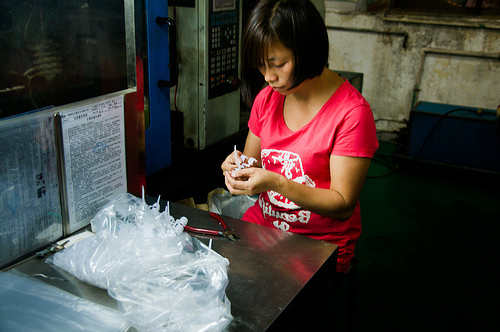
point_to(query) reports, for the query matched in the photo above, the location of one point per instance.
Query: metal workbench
(269, 271)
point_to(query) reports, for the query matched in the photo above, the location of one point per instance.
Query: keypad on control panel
(223, 51)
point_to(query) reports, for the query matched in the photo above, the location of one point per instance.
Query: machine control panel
(224, 18)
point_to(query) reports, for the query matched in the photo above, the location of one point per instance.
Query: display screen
(224, 5)
(57, 52)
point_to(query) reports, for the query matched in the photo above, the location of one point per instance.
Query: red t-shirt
(344, 126)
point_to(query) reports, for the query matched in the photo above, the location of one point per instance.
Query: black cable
(395, 141)
(379, 157)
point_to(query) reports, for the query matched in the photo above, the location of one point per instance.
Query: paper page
(30, 213)
(93, 138)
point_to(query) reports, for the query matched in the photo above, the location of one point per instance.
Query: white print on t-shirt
(284, 218)
(290, 165)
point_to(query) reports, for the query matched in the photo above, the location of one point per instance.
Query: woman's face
(278, 68)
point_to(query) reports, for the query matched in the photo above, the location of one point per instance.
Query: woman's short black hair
(295, 24)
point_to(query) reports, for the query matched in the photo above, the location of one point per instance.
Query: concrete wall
(445, 61)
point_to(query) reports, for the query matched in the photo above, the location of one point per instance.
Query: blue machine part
(455, 135)
(158, 137)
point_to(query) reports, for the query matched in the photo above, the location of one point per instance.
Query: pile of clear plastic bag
(162, 278)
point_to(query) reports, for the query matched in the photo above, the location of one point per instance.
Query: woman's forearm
(325, 202)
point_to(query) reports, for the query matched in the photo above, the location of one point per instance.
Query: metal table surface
(268, 269)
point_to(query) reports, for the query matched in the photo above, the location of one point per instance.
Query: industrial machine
(161, 77)
(71, 109)
(206, 100)
(453, 135)
(75, 79)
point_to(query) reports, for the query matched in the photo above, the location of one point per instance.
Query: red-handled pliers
(226, 232)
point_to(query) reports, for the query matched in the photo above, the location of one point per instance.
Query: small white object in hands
(246, 162)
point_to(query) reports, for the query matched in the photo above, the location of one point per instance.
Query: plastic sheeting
(162, 281)
(31, 305)
(221, 201)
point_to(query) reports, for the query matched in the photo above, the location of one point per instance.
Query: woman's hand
(231, 163)
(251, 181)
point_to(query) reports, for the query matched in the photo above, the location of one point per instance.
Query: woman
(311, 131)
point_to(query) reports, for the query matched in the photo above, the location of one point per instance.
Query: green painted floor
(428, 249)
